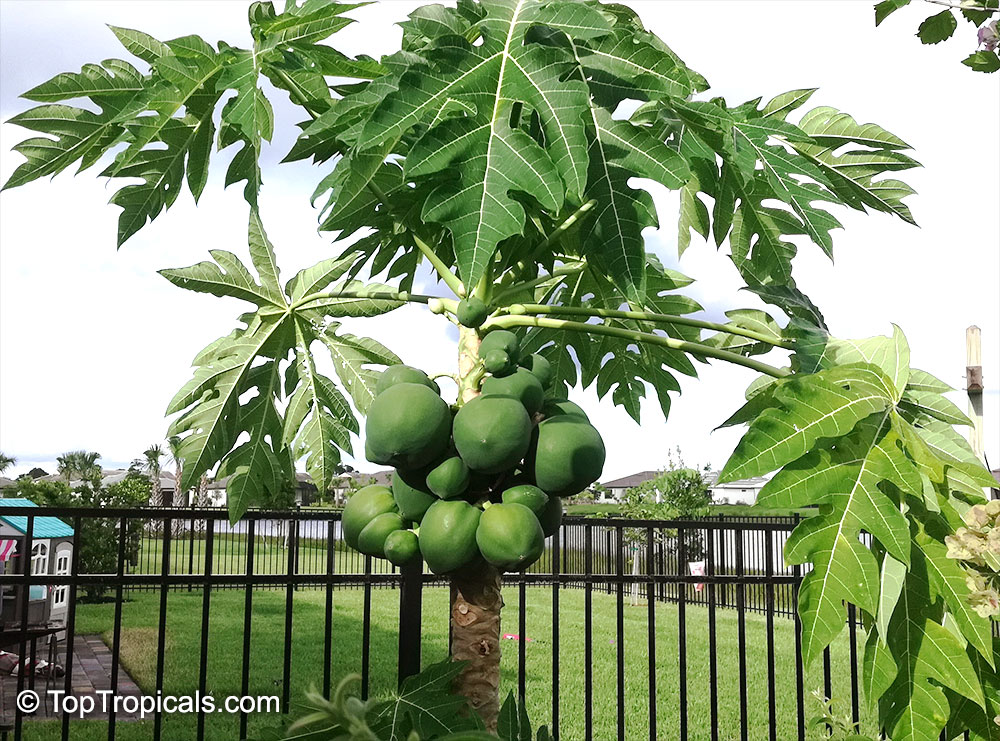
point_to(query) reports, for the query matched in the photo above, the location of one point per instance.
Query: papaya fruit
(522, 384)
(548, 509)
(371, 541)
(498, 363)
(501, 339)
(567, 455)
(492, 433)
(409, 489)
(402, 547)
(540, 367)
(449, 479)
(472, 312)
(403, 374)
(509, 536)
(557, 407)
(408, 426)
(448, 535)
(366, 504)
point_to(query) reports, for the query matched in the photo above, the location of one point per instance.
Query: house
(51, 553)
(744, 491)
(616, 489)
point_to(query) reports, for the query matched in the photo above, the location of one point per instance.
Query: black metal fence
(625, 629)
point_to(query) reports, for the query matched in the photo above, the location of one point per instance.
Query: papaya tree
(505, 147)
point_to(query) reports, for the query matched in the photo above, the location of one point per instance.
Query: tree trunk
(475, 624)
(476, 600)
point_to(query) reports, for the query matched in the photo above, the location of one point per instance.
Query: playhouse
(51, 553)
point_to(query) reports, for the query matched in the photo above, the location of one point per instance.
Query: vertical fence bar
(800, 705)
(741, 632)
(853, 632)
(161, 639)
(116, 641)
(286, 672)
(620, 627)
(522, 642)
(588, 633)
(651, 632)
(191, 550)
(328, 623)
(247, 618)
(25, 592)
(71, 618)
(772, 717)
(410, 617)
(555, 632)
(366, 630)
(682, 631)
(206, 596)
(713, 674)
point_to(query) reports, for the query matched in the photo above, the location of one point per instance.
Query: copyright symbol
(27, 701)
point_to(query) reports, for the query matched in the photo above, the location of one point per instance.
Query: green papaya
(365, 505)
(567, 455)
(472, 312)
(449, 479)
(395, 374)
(402, 547)
(409, 489)
(498, 363)
(540, 367)
(548, 509)
(557, 407)
(371, 541)
(448, 535)
(510, 537)
(408, 426)
(492, 433)
(501, 339)
(522, 384)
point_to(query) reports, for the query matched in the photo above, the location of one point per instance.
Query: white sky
(93, 343)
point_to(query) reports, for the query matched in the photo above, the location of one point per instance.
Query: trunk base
(475, 638)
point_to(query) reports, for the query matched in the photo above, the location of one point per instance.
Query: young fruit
(547, 509)
(449, 479)
(371, 541)
(540, 367)
(510, 537)
(500, 339)
(472, 312)
(395, 374)
(448, 535)
(567, 455)
(408, 426)
(522, 385)
(498, 363)
(366, 504)
(402, 547)
(492, 433)
(409, 489)
(557, 407)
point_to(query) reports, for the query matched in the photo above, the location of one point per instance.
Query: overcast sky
(93, 343)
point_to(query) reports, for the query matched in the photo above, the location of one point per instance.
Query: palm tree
(6, 461)
(153, 454)
(81, 462)
(174, 444)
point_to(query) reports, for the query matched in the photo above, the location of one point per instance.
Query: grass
(139, 650)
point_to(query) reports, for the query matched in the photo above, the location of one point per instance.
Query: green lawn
(613, 509)
(225, 651)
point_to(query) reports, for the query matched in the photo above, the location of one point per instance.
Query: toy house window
(60, 594)
(39, 567)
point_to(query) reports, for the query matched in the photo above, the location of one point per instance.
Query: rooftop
(42, 527)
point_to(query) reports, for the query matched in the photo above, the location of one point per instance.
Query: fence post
(410, 604)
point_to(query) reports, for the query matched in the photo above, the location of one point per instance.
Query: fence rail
(667, 650)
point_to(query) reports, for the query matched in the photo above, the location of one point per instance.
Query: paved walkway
(91, 673)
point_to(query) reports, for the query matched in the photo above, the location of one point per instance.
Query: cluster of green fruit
(480, 481)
